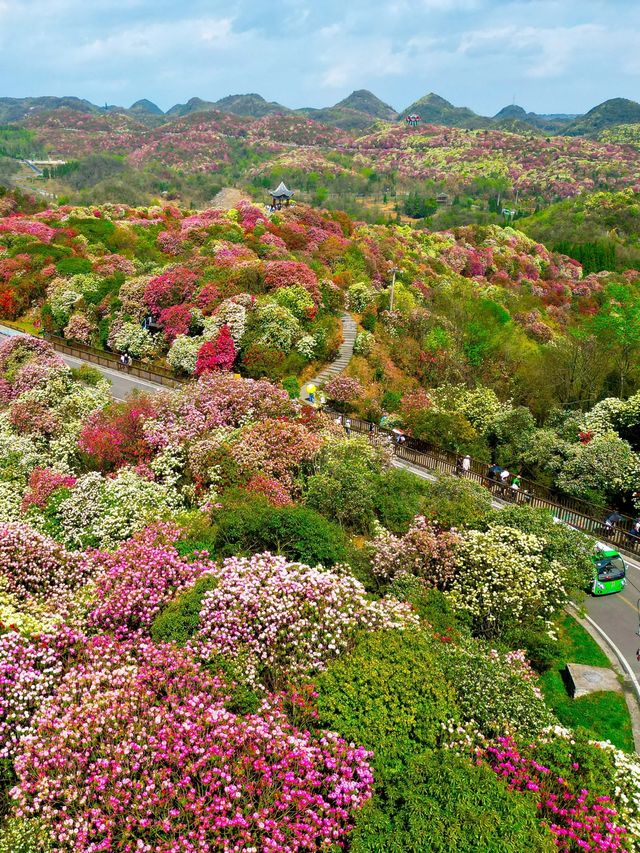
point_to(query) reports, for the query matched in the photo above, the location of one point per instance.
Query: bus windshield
(611, 569)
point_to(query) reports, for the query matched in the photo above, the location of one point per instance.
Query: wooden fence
(108, 359)
(580, 514)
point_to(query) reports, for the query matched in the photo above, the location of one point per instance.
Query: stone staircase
(349, 332)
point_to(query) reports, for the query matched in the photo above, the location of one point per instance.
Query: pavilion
(280, 196)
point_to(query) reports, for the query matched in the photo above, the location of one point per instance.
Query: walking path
(345, 353)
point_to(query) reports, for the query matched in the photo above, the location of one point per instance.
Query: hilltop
(617, 111)
(436, 110)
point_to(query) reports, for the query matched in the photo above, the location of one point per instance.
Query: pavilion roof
(281, 191)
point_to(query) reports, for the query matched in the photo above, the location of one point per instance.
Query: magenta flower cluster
(136, 752)
(578, 819)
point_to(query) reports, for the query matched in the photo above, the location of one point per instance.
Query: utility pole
(394, 271)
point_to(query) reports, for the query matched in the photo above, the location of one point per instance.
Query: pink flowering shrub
(27, 416)
(218, 399)
(424, 551)
(343, 389)
(276, 448)
(172, 287)
(271, 489)
(578, 819)
(34, 565)
(204, 778)
(30, 671)
(79, 328)
(208, 298)
(110, 264)
(136, 581)
(289, 273)
(43, 482)
(284, 619)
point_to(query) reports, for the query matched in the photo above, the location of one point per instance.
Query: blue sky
(550, 55)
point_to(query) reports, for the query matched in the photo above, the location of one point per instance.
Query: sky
(553, 56)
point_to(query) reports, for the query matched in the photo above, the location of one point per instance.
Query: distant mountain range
(359, 111)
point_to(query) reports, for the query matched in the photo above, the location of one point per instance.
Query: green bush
(368, 321)
(299, 533)
(178, 621)
(444, 803)
(73, 266)
(456, 502)
(292, 387)
(390, 401)
(389, 695)
(399, 497)
(430, 604)
(85, 373)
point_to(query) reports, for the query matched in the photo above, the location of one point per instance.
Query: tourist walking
(459, 467)
(466, 465)
(347, 426)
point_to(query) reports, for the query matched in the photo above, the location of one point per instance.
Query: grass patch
(604, 714)
(22, 325)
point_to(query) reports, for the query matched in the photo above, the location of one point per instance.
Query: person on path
(459, 467)
(347, 426)
(123, 360)
(634, 531)
(466, 465)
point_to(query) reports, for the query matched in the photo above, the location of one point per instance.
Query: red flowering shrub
(216, 355)
(172, 287)
(10, 303)
(175, 320)
(114, 436)
(287, 273)
(43, 482)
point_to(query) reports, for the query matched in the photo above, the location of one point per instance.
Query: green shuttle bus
(610, 571)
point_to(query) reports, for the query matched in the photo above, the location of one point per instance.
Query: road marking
(620, 656)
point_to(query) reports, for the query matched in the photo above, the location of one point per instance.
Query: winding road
(613, 618)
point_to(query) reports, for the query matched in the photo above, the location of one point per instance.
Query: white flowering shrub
(306, 346)
(364, 343)
(230, 314)
(503, 579)
(278, 328)
(135, 340)
(183, 354)
(358, 297)
(102, 511)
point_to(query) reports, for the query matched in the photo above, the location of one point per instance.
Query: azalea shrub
(503, 578)
(284, 620)
(125, 706)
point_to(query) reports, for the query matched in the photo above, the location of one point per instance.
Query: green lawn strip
(604, 714)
